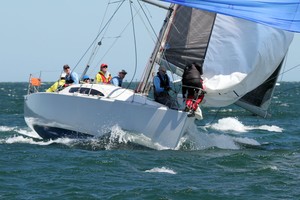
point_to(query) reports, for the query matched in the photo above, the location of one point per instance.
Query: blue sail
(282, 14)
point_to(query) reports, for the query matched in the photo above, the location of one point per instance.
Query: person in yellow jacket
(103, 76)
(57, 84)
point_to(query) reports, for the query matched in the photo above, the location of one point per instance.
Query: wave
(200, 137)
(28, 140)
(161, 170)
(117, 139)
(27, 132)
(196, 138)
(233, 124)
(6, 128)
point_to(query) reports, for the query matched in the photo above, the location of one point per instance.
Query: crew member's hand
(167, 88)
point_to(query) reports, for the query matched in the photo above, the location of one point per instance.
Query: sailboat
(240, 47)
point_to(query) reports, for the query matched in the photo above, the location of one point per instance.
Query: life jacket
(164, 82)
(69, 79)
(119, 80)
(101, 78)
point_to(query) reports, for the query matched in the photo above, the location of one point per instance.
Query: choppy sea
(231, 154)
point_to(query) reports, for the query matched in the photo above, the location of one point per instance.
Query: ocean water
(231, 154)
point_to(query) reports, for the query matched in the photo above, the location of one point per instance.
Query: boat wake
(115, 139)
(227, 133)
(26, 132)
(234, 125)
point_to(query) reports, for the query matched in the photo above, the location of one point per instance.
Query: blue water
(229, 155)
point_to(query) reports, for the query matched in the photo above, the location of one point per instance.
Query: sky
(39, 37)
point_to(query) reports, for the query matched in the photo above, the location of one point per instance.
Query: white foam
(229, 124)
(26, 140)
(271, 128)
(200, 139)
(247, 141)
(284, 105)
(222, 110)
(233, 124)
(21, 139)
(121, 136)
(161, 170)
(28, 132)
(6, 128)
(272, 167)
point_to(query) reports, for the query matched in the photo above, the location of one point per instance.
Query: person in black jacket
(192, 84)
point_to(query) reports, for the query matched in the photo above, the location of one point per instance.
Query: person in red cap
(103, 76)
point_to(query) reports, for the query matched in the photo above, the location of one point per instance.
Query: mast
(146, 81)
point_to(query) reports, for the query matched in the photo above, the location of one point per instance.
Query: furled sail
(237, 55)
(282, 14)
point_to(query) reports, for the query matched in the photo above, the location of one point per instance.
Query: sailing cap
(66, 67)
(162, 68)
(85, 77)
(63, 75)
(123, 72)
(103, 65)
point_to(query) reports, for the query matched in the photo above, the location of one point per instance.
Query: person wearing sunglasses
(103, 76)
(71, 77)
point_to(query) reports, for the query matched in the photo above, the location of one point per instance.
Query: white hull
(64, 114)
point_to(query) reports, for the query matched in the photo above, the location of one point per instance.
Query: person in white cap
(118, 80)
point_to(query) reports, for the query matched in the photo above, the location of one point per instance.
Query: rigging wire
(96, 45)
(134, 40)
(135, 46)
(107, 23)
(115, 41)
(135, 49)
(147, 18)
(132, 22)
(146, 85)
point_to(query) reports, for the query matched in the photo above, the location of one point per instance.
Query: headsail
(282, 14)
(241, 56)
(237, 55)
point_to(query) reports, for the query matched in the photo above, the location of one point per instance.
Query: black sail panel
(188, 36)
(258, 100)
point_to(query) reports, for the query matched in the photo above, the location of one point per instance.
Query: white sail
(237, 55)
(241, 55)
